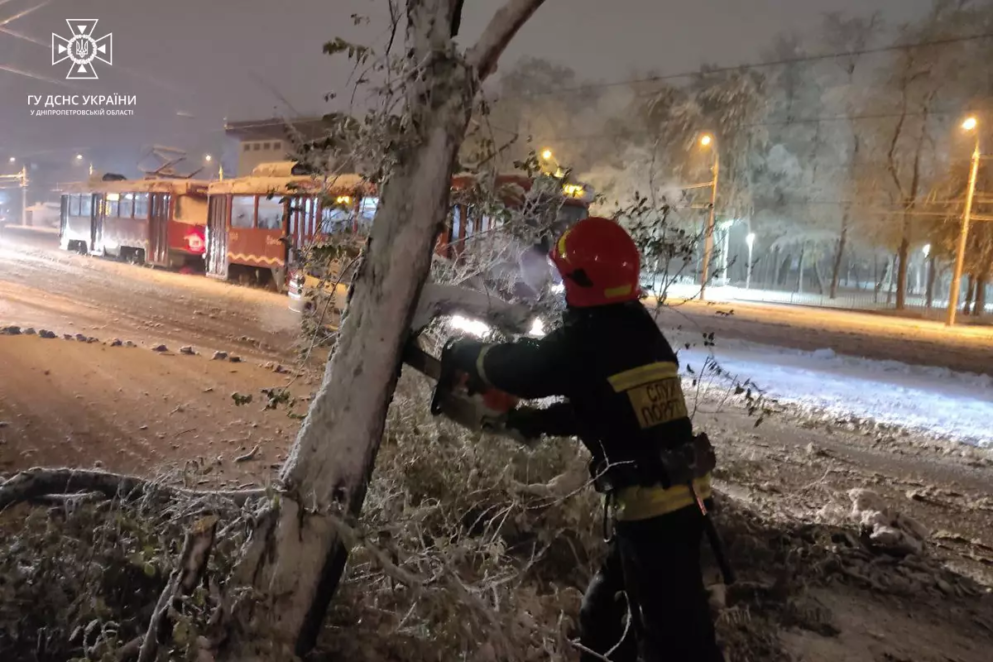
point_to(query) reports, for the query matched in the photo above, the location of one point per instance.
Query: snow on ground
(937, 401)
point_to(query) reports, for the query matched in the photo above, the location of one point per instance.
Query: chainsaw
(482, 410)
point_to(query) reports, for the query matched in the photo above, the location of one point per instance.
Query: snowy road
(937, 401)
(40, 285)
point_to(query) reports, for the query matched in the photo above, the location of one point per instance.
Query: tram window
(141, 205)
(367, 212)
(86, 205)
(247, 147)
(243, 211)
(277, 145)
(308, 222)
(126, 208)
(74, 205)
(113, 202)
(270, 213)
(336, 217)
(456, 221)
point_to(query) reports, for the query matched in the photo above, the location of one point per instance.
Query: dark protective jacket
(625, 399)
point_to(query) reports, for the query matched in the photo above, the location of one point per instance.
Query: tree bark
(296, 555)
(902, 260)
(838, 256)
(970, 296)
(818, 277)
(799, 276)
(980, 307)
(38, 483)
(932, 272)
(891, 265)
(876, 277)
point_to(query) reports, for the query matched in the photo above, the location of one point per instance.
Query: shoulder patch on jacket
(655, 392)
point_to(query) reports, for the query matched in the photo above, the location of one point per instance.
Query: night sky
(211, 59)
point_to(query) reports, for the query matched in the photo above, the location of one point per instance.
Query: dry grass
(457, 556)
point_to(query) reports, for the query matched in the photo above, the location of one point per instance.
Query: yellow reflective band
(561, 247)
(615, 292)
(645, 374)
(637, 503)
(480, 367)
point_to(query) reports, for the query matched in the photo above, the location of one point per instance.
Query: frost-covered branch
(501, 29)
(37, 483)
(440, 300)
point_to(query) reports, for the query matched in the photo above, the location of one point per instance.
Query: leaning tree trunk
(902, 260)
(931, 274)
(296, 555)
(970, 296)
(838, 256)
(980, 307)
(799, 276)
(818, 278)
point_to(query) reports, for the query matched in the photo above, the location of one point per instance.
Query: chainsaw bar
(475, 412)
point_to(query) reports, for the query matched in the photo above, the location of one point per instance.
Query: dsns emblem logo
(82, 49)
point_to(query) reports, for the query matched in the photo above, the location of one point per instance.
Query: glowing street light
(79, 157)
(547, 154)
(12, 159)
(208, 158)
(970, 124)
(706, 139)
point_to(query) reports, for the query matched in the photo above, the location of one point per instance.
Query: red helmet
(599, 263)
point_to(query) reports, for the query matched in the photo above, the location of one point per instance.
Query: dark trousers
(656, 562)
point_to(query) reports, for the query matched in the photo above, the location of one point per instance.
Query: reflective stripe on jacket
(637, 503)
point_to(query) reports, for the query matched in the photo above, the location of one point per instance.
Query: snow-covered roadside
(936, 401)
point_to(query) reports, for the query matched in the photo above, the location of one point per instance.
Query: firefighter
(623, 399)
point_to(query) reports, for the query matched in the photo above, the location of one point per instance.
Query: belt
(637, 502)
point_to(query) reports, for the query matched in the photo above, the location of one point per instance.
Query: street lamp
(706, 141)
(547, 154)
(208, 158)
(12, 159)
(750, 240)
(970, 124)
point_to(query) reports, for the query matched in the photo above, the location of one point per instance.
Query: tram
(161, 222)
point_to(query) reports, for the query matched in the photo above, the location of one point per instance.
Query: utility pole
(953, 297)
(708, 239)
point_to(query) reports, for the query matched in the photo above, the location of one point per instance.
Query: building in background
(252, 142)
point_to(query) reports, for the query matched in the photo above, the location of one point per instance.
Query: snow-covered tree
(296, 554)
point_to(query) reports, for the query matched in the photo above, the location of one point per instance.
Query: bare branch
(439, 300)
(35, 483)
(502, 28)
(189, 570)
